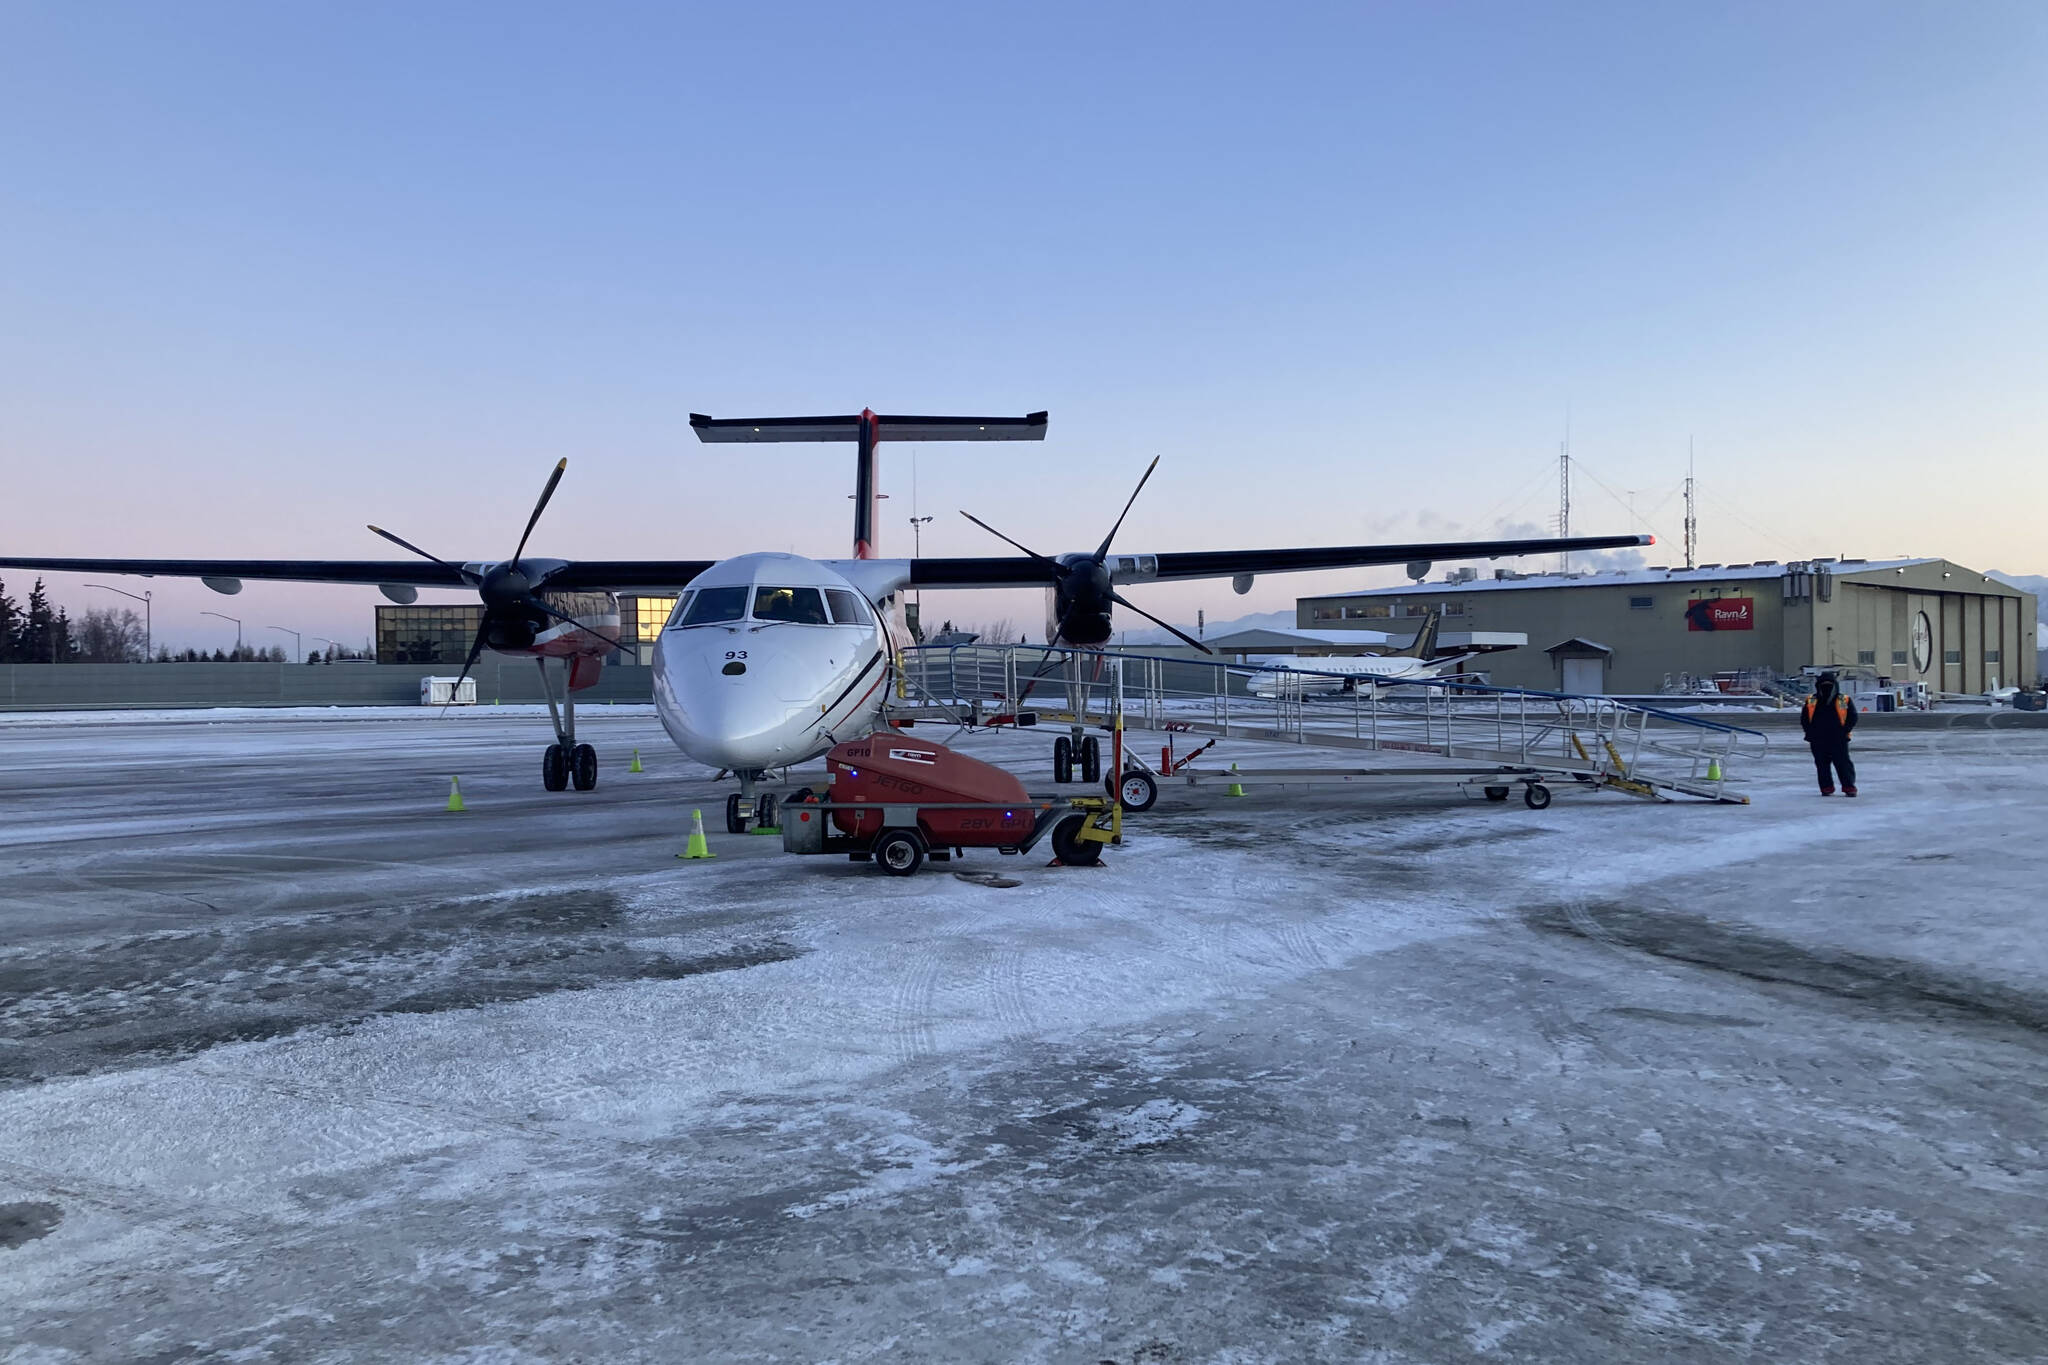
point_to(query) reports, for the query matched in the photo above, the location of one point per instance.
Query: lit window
(804, 606)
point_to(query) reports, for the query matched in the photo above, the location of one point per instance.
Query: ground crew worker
(1827, 718)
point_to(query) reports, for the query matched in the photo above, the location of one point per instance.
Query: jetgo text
(1721, 613)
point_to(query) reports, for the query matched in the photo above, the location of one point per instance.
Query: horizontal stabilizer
(887, 428)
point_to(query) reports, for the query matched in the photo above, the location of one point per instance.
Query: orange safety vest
(1841, 708)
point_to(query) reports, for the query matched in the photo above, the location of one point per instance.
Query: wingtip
(1649, 540)
(561, 464)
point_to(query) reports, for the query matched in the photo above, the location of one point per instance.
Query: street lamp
(917, 525)
(148, 634)
(298, 642)
(332, 644)
(238, 628)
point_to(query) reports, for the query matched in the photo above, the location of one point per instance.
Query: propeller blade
(476, 649)
(1129, 605)
(546, 610)
(540, 507)
(1102, 552)
(1052, 563)
(403, 543)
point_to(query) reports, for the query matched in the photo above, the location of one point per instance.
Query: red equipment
(888, 769)
(900, 801)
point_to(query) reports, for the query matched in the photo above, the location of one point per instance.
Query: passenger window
(676, 614)
(712, 605)
(847, 607)
(801, 605)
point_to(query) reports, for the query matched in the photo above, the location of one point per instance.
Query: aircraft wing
(587, 575)
(1009, 571)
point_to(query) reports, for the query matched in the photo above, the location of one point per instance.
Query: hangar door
(1585, 677)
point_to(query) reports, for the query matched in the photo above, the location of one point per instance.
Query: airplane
(1327, 677)
(769, 659)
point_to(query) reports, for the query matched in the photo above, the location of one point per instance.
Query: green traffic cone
(634, 766)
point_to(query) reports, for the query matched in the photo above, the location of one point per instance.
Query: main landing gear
(1083, 752)
(565, 761)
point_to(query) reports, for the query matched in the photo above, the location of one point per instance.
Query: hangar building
(1639, 630)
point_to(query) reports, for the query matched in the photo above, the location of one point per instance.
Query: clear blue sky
(274, 271)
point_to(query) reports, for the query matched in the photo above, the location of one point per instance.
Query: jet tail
(868, 428)
(1424, 643)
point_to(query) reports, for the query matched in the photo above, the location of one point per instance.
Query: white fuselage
(771, 659)
(1339, 675)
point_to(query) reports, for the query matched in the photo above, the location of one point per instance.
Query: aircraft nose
(722, 711)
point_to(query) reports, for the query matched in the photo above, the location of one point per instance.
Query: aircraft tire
(1068, 845)
(899, 852)
(767, 813)
(583, 767)
(1091, 759)
(1062, 760)
(734, 822)
(554, 768)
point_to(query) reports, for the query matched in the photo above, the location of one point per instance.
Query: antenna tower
(1564, 494)
(1692, 521)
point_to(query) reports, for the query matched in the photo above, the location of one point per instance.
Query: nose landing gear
(1078, 758)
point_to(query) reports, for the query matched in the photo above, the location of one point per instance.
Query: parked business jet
(770, 659)
(1327, 677)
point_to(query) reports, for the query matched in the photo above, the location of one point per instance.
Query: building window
(1866, 656)
(1641, 603)
(1951, 656)
(1990, 656)
(1898, 656)
(1326, 614)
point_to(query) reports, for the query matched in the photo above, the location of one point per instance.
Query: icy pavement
(297, 1067)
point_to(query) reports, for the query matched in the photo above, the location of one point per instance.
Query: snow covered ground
(296, 1066)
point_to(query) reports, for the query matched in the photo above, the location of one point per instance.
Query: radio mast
(1692, 521)
(1564, 492)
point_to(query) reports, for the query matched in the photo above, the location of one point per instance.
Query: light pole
(917, 525)
(298, 642)
(148, 634)
(238, 628)
(332, 644)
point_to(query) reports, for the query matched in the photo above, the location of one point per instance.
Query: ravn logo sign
(1721, 613)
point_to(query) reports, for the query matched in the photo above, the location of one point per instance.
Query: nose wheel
(1077, 758)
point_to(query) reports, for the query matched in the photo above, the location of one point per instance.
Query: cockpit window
(847, 608)
(676, 614)
(712, 605)
(801, 605)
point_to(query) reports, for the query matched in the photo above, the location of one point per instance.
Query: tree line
(38, 632)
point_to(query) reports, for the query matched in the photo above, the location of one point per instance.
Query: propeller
(513, 606)
(1082, 584)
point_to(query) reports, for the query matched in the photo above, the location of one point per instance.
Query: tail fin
(1424, 643)
(868, 429)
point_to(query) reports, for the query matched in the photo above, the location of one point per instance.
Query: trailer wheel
(1496, 793)
(1091, 759)
(1062, 759)
(1535, 796)
(1068, 845)
(1137, 791)
(899, 852)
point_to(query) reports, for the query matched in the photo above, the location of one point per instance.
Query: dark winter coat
(1827, 718)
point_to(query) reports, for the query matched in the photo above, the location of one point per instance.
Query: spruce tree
(32, 645)
(10, 626)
